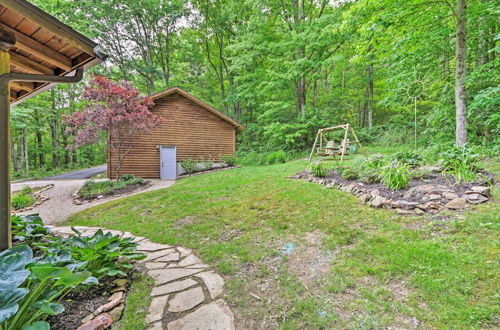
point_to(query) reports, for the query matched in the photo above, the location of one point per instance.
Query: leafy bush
(319, 170)
(25, 307)
(100, 254)
(208, 164)
(28, 229)
(460, 163)
(92, 189)
(368, 169)
(348, 173)
(410, 158)
(189, 165)
(395, 175)
(229, 160)
(276, 157)
(23, 198)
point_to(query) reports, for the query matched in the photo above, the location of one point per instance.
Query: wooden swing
(330, 150)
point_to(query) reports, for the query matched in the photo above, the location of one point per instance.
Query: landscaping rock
(122, 283)
(485, 191)
(158, 254)
(449, 195)
(216, 316)
(186, 300)
(433, 197)
(174, 256)
(364, 198)
(189, 260)
(155, 265)
(151, 247)
(213, 282)
(375, 192)
(173, 287)
(184, 252)
(456, 204)
(102, 321)
(116, 313)
(475, 198)
(377, 201)
(404, 212)
(171, 274)
(113, 301)
(156, 309)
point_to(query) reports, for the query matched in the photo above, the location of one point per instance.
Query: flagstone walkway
(187, 295)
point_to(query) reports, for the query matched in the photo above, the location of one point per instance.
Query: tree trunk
(301, 97)
(461, 74)
(39, 139)
(370, 96)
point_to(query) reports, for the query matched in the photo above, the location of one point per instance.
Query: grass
(23, 198)
(137, 304)
(352, 267)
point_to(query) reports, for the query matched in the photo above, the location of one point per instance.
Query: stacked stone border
(186, 293)
(40, 198)
(436, 198)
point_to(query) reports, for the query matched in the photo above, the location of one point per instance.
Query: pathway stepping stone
(213, 282)
(216, 316)
(173, 287)
(185, 290)
(162, 276)
(156, 309)
(186, 300)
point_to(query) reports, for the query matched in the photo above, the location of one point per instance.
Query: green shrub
(410, 158)
(21, 200)
(276, 157)
(208, 164)
(189, 165)
(348, 173)
(130, 179)
(126, 177)
(229, 160)
(460, 163)
(92, 189)
(395, 175)
(28, 229)
(319, 170)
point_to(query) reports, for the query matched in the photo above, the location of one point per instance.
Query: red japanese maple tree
(115, 108)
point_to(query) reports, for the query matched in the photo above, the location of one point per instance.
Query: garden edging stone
(183, 297)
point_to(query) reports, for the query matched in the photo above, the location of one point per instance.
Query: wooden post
(357, 140)
(344, 142)
(7, 40)
(314, 145)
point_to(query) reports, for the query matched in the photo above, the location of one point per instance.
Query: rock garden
(401, 182)
(92, 190)
(28, 198)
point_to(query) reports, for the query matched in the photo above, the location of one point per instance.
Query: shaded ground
(60, 204)
(80, 174)
(297, 255)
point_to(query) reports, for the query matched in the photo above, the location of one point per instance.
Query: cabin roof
(202, 104)
(44, 45)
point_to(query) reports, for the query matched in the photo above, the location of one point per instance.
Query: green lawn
(351, 266)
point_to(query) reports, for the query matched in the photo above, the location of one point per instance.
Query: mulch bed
(127, 190)
(79, 304)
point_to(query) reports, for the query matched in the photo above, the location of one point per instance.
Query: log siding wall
(196, 133)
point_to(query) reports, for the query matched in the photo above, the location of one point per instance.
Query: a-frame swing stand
(330, 149)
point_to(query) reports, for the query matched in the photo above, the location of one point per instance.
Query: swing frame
(347, 128)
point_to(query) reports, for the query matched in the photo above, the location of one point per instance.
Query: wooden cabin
(190, 128)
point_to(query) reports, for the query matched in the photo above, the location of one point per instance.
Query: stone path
(187, 295)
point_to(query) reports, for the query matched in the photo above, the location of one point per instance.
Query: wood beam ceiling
(39, 50)
(25, 86)
(29, 65)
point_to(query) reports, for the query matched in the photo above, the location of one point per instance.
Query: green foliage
(229, 160)
(276, 157)
(460, 163)
(28, 229)
(367, 169)
(348, 173)
(319, 169)
(92, 189)
(189, 165)
(100, 254)
(395, 175)
(252, 158)
(25, 306)
(23, 198)
(410, 158)
(208, 164)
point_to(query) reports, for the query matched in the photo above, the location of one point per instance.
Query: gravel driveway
(60, 204)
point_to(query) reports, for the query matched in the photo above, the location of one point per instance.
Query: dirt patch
(186, 221)
(309, 262)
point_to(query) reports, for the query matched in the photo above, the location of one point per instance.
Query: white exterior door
(168, 163)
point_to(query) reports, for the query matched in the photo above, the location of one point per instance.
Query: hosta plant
(29, 291)
(101, 254)
(29, 229)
